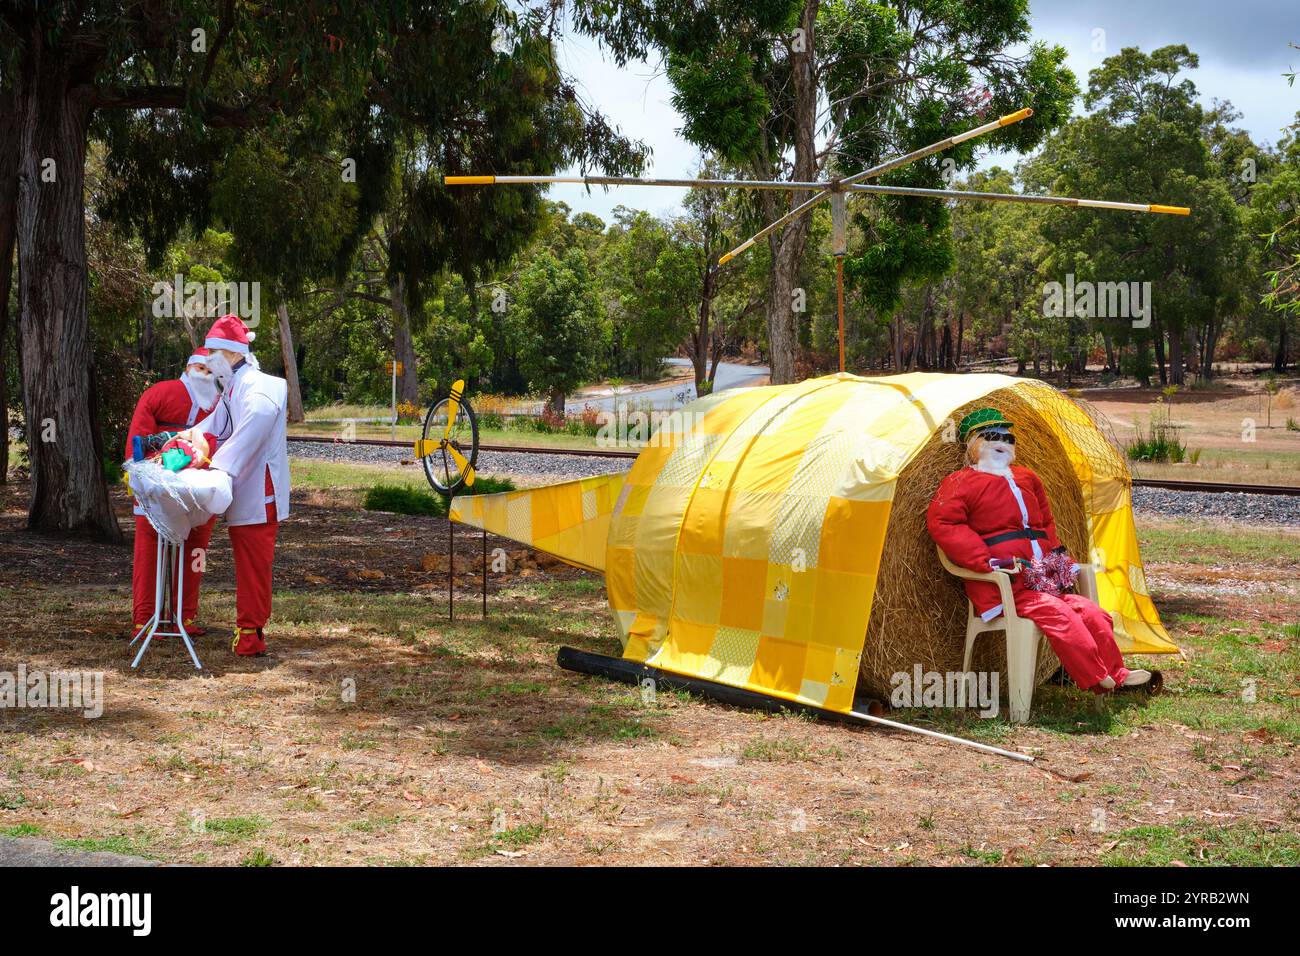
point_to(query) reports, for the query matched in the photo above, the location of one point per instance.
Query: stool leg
(158, 592)
(180, 603)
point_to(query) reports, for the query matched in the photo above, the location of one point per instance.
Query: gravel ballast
(532, 469)
(535, 469)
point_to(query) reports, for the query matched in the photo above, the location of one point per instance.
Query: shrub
(1160, 443)
(399, 499)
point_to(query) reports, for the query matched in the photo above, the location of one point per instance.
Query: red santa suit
(164, 407)
(250, 424)
(977, 516)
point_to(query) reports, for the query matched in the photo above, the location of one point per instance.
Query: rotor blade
(1016, 197)
(453, 404)
(770, 227)
(924, 151)
(463, 463)
(632, 181)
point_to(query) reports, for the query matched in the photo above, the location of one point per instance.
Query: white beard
(219, 365)
(203, 387)
(996, 458)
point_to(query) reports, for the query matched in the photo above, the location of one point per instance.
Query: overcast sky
(1242, 45)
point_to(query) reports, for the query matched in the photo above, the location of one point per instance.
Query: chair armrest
(1001, 578)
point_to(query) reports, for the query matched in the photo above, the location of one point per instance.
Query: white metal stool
(168, 602)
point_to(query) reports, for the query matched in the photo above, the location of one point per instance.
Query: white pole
(934, 733)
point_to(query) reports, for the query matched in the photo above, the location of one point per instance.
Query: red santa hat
(229, 333)
(200, 357)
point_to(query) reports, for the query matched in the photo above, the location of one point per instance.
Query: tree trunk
(290, 359)
(782, 320)
(787, 244)
(69, 493)
(8, 211)
(700, 339)
(146, 337)
(1176, 376)
(1111, 365)
(1158, 334)
(408, 382)
(557, 401)
(1279, 357)
(961, 333)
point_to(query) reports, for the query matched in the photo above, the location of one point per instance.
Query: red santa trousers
(1081, 634)
(146, 563)
(254, 550)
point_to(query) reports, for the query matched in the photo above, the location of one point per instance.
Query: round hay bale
(919, 612)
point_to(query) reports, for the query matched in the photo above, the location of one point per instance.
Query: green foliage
(1146, 141)
(557, 323)
(1160, 442)
(402, 500)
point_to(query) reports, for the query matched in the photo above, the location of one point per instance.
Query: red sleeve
(144, 421)
(948, 519)
(1045, 506)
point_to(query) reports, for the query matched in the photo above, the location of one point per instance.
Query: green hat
(981, 418)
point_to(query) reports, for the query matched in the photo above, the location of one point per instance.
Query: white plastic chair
(1023, 635)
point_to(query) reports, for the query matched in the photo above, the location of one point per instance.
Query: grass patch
(600, 722)
(787, 751)
(1194, 542)
(258, 858)
(118, 843)
(1204, 844)
(236, 826)
(21, 830)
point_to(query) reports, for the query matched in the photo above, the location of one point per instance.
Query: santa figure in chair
(993, 515)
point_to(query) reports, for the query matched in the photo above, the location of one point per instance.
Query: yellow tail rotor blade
(463, 464)
(453, 405)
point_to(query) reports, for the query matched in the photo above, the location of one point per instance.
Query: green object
(174, 459)
(981, 418)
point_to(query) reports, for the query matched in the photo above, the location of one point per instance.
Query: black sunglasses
(990, 434)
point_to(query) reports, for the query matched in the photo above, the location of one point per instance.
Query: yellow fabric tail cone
(569, 520)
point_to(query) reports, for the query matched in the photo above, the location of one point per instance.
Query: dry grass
(466, 744)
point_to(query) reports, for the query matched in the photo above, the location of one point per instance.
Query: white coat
(249, 423)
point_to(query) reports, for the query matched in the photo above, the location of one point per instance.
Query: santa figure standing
(250, 426)
(164, 408)
(992, 515)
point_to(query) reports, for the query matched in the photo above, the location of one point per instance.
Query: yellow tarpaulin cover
(743, 545)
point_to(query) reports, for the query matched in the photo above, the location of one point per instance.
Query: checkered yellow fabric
(569, 520)
(743, 546)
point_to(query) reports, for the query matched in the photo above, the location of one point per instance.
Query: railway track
(1212, 487)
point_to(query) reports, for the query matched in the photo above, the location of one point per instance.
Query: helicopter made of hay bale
(768, 545)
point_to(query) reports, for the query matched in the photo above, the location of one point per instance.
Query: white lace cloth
(177, 502)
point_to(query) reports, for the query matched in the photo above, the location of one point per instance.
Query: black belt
(1029, 534)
